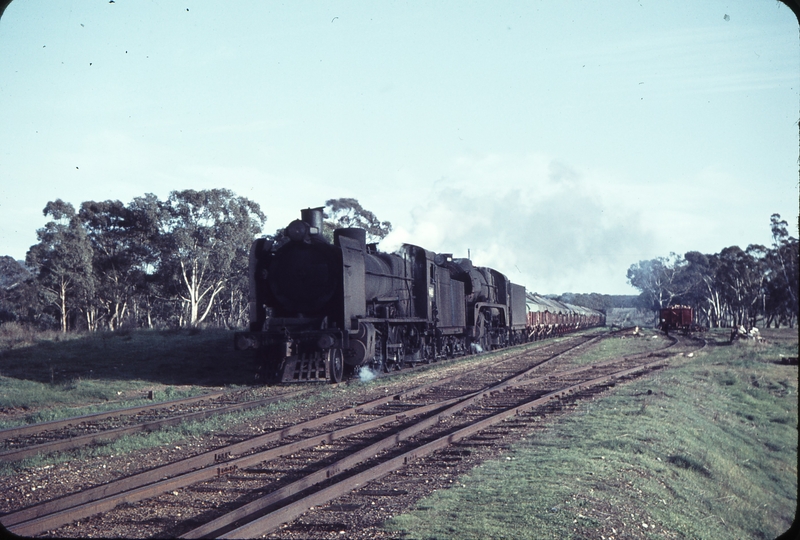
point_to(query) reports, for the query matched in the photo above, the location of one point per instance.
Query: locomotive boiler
(320, 309)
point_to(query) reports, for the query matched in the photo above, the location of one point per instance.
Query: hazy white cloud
(590, 137)
(555, 228)
(535, 219)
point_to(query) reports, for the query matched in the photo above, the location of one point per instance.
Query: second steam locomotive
(319, 309)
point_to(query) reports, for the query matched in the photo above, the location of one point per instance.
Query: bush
(14, 334)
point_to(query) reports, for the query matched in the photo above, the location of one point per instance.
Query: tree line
(179, 262)
(753, 286)
(597, 301)
(183, 262)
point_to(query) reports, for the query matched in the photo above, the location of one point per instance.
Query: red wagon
(676, 318)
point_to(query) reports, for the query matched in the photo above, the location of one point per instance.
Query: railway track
(206, 465)
(287, 463)
(463, 419)
(81, 431)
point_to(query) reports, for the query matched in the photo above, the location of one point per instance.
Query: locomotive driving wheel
(336, 365)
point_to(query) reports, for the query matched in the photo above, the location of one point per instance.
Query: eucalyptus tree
(151, 302)
(347, 212)
(661, 280)
(702, 294)
(734, 286)
(204, 242)
(120, 249)
(19, 298)
(740, 279)
(62, 262)
(784, 278)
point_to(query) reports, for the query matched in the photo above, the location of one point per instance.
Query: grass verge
(704, 449)
(622, 344)
(169, 435)
(46, 377)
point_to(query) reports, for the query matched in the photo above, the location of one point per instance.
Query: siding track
(270, 479)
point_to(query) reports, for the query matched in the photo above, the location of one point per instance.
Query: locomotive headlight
(297, 230)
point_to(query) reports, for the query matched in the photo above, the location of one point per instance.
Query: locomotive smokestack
(313, 217)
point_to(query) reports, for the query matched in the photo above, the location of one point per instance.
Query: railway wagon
(320, 309)
(587, 317)
(548, 317)
(676, 318)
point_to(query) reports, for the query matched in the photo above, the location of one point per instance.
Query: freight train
(548, 317)
(320, 310)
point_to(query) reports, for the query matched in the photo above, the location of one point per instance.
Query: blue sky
(559, 142)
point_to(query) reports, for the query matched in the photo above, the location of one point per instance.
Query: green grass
(623, 344)
(56, 378)
(174, 435)
(55, 402)
(165, 356)
(704, 449)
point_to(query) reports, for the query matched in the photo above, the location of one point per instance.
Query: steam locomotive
(319, 310)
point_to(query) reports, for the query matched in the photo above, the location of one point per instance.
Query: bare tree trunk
(63, 298)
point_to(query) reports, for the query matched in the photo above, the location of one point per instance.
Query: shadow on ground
(170, 357)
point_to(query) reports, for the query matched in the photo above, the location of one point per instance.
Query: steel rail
(266, 523)
(55, 519)
(111, 434)
(515, 355)
(51, 514)
(223, 523)
(218, 455)
(425, 366)
(55, 424)
(521, 380)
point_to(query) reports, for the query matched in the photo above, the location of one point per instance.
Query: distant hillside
(599, 302)
(627, 317)
(12, 272)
